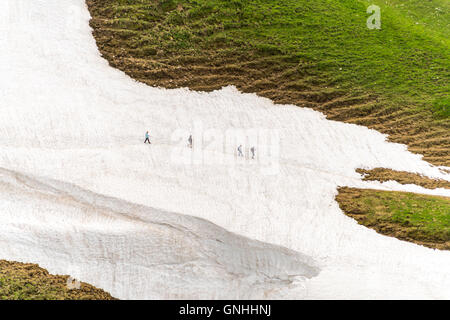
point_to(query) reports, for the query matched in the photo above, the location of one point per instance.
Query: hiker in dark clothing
(190, 141)
(147, 138)
(252, 150)
(240, 154)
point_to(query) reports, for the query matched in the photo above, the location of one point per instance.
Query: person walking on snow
(252, 149)
(190, 141)
(240, 151)
(147, 138)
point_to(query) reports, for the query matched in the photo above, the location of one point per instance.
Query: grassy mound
(317, 54)
(403, 177)
(412, 217)
(19, 281)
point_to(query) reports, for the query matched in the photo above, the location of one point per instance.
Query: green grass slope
(317, 54)
(412, 217)
(23, 281)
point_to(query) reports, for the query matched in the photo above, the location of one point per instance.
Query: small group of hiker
(252, 150)
(190, 140)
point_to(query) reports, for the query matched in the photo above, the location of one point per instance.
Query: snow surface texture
(81, 194)
(190, 256)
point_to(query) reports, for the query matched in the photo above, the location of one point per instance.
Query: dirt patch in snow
(25, 281)
(417, 218)
(403, 177)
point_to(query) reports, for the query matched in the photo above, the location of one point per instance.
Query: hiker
(252, 150)
(240, 151)
(190, 141)
(147, 138)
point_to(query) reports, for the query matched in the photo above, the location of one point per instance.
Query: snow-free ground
(81, 194)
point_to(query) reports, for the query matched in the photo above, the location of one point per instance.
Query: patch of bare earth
(403, 177)
(25, 281)
(373, 209)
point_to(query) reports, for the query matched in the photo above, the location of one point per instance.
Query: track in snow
(67, 116)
